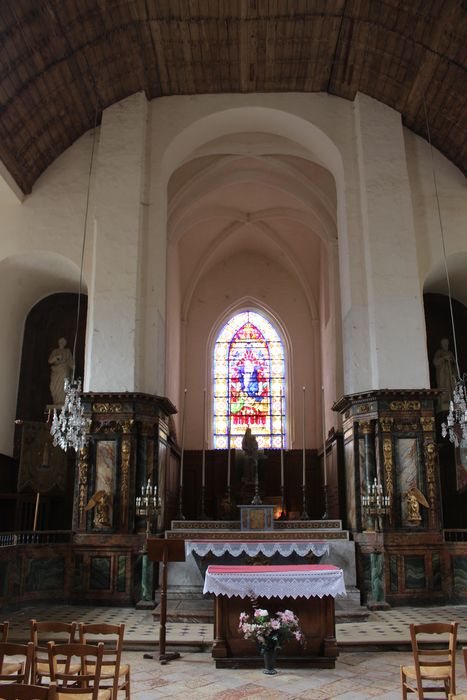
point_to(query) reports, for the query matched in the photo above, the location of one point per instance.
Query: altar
(307, 590)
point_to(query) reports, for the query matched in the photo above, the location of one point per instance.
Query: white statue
(445, 364)
(61, 368)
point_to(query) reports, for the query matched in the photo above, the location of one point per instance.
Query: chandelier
(456, 421)
(455, 426)
(69, 425)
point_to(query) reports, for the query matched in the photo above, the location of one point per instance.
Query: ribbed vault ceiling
(59, 58)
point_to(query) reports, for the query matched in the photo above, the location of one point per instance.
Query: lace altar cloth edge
(253, 547)
(289, 583)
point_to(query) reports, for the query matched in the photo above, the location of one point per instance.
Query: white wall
(386, 220)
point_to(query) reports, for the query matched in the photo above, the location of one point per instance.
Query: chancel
(233, 258)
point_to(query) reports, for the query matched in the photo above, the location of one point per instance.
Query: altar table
(307, 590)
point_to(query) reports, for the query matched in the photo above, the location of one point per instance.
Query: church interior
(233, 274)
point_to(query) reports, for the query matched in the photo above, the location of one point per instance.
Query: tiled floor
(358, 674)
(388, 628)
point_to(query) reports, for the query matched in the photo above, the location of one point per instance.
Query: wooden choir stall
(307, 590)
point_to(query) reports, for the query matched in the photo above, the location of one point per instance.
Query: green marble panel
(436, 571)
(3, 578)
(415, 577)
(459, 567)
(78, 573)
(121, 578)
(366, 561)
(393, 574)
(100, 574)
(45, 574)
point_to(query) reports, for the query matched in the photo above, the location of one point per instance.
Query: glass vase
(269, 661)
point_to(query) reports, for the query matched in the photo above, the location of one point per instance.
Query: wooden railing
(455, 535)
(11, 539)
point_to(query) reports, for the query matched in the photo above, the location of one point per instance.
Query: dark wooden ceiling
(61, 58)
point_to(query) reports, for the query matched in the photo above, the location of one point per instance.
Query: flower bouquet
(269, 631)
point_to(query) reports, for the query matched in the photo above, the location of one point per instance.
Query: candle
(282, 443)
(183, 437)
(203, 471)
(324, 438)
(304, 459)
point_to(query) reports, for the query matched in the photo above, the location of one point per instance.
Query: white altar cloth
(254, 547)
(304, 580)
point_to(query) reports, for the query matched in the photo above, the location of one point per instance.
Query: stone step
(202, 611)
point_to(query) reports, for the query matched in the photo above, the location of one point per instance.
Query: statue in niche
(61, 368)
(101, 502)
(415, 499)
(250, 449)
(445, 364)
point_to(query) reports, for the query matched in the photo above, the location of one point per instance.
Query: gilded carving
(407, 426)
(365, 427)
(126, 449)
(427, 424)
(404, 405)
(430, 462)
(364, 408)
(127, 426)
(415, 499)
(386, 424)
(83, 480)
(107, 407)
(388, 467)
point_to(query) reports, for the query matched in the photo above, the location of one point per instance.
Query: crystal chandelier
(455, 426)
(456, 421)
(69, 425)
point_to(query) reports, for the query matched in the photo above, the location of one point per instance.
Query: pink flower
(261, 613)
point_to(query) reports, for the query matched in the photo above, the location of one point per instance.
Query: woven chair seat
(434, 672)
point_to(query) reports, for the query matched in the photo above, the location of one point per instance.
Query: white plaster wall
(395, 302)
(272, 286)
(452, 191)
(112, 342)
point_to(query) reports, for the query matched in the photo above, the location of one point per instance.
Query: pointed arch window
(249, 382)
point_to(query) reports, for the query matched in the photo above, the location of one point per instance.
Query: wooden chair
(4, 626)
(14, 671)
(40, 634)
(82, 686)
(114, 674)
(21, 691)
(434, 666)
(462, 696)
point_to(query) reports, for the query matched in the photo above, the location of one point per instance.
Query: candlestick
(304, 457)
(203, 469)
(180, 490)
(282, 442)
(324, 439)
(183, 438)
(228, 450)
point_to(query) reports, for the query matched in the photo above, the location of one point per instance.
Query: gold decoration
(101, 502)
(364, 408)
(415, 499)
(386, 424)
(407, 426)
(126, 449)
(427, 424)
(430, 462)
(83, 481)
(107, 407)
(365, 427)
(404, 405)
(388, 468)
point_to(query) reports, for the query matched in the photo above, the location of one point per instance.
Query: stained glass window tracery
(249, 382)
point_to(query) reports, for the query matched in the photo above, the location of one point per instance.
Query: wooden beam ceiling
(61, 58)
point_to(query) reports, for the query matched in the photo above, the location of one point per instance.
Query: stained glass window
(249, 382)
